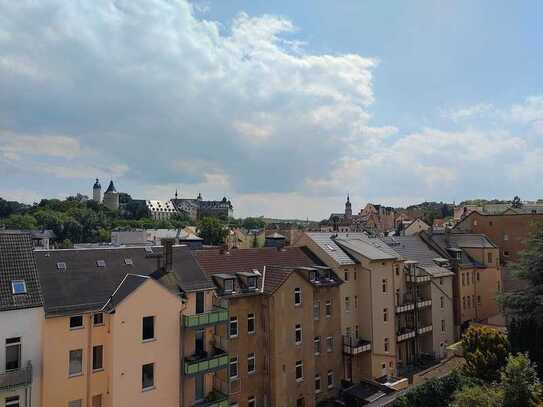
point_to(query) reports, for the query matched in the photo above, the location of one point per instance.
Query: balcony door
(200, 345)
(199, 387)
(200, 302)
(13, 353)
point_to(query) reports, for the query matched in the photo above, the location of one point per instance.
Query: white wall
(27, 324)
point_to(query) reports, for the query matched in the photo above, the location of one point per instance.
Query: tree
(520, 382)
(212, 231)
(516, 203)
(485, 351)
(477, 396)
(253, 223)
(16, 221)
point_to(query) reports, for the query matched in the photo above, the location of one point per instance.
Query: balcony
(405, 308)
(13, 379)
(205, 362)
(418, 278)
(216, 316)
(405, 334)
(421, 303)
(424, 329)
(214, 399)
(355, 346)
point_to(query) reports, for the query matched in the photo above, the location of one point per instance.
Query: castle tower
(111, 197)
(348, 209)
(97, 192)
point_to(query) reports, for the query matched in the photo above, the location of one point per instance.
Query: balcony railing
(405, 308)
(421, 303)
(354, 346)
(216, 316)
(214, 399)
(404, 334)
(419, 278)
(205, 362)
(13, 379)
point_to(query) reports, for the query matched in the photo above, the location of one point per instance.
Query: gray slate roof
(86, 287)
(326, 243)
(371, 248)
(17, 263)
(471, 240)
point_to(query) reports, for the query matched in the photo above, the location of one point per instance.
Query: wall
(442, 287)
(27, 324)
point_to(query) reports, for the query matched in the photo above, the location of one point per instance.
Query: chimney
(167, 248)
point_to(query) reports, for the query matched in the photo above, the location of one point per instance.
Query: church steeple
(348, 209)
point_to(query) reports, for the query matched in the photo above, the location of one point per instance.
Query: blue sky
(282, 106)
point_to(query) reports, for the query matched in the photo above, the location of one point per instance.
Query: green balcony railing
(216, 316)
(202, 364)
(214, 399)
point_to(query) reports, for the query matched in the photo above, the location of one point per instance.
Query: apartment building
(475, 260)
(424, 301)
(283, 336)
(366, 266)
(21, 316)
(128, 327)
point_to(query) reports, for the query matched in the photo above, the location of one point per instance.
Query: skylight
(18, 287)
(100, 263)
(148, 249)
(61, 266)
(128, 262)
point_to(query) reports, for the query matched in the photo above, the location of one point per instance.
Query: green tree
(16, 221)
(477, 396)
(520, 382)
(485, 351)
(253, 223)
(516, 203)
(212, 231)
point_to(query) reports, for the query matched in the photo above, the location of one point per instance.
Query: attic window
(61, 266)
(100, 263)
(128, 262)
(330, 247)
(148, 250)
(18, 287)
(229, 285)
(312, 276)
(251, 282)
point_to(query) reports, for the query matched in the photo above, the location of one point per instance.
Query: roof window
(128, 262)
(148, 250)
(18, 287)
(100, 263)
(61, 266)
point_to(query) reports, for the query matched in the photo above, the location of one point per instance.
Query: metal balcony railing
(13, 379)
(205, 362)
(354, 346)
(425, 328)
(404, 334)
(216, 316)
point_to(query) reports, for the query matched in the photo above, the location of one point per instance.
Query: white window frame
(229, 285)
(251, 357)
(300, 364)
(233, 362)
(251, 401)
(233, 322)
(347, 304)
(316, 310)
(251, 316)
(329, 344)
(298, 329)
(317, 345)
(13, 401)
(330, 375)
(328, 307)
(317, 380)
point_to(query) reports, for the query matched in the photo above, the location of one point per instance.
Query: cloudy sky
(283, 106)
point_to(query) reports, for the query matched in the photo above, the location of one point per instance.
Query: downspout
(89, 361)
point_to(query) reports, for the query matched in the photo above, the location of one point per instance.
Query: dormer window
(312, 276)
(229, 285)
(128, 262)
(18, 287)
(251, 282)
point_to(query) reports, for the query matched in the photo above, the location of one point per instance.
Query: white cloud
(14, 145)
(468, 112)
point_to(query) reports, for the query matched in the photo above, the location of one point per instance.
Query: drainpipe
(89, 361)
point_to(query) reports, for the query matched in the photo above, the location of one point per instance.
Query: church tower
(111, 197)
(97, 192)
(348, 209)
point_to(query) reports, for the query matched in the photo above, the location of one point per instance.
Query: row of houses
(340, 315)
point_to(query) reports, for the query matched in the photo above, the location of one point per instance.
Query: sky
(284, 107)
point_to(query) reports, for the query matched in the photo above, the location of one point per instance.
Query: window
(490, 223)
(397, 270)
(251, 283)
(463, 302)
(328, 308)
(98, 319)
(330, 344)
(300, 402)
(97, 400)
(356, 331)
(347, 304)
(317, 345)
(148, 376)
(233, 371)
(299, 371)
(346, 276)
(316, 310)
(229, 285)
(505, 237)
(440, 280)
(128, 262)
(312, 276)
(233, 330)
(97, 356)
(200, 302)
(385, 283)
(463, 279)
(467, 278)
(148, 331)
(100, 263)
(298, 334)
(12, 401)
(385, 314)
(330, 379)
(251, 363)
(317, 383)
(76, 322)
(76, 362)
(489, 257)
(75, 403)
(386, 345)
(441, 304)
(356, 302)
(251, 402)
(297, 296)
(13, 353)
(61, 266)
(18, 287)
(354, 275)
(478, 277)
(442, 325)
(251, 323)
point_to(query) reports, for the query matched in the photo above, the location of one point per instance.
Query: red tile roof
(238, 260)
